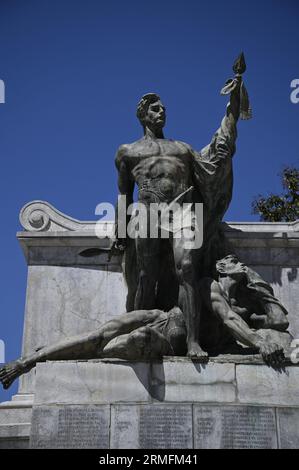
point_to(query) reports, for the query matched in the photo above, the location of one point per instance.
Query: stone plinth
(175, 403)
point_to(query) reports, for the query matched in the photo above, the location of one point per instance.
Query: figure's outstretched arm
(222, 145)
(223, 142)
(213, 164)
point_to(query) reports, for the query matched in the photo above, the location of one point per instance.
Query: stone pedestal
(68, 294)
(175, 403)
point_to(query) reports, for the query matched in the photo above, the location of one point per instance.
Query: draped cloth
(245, 109)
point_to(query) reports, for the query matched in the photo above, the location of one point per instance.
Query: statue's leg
(189, 299)
(131, 273)
(168, 286)
(270, 312)
(148, 259)
(85, 346)
(274, 318)
(142, 344)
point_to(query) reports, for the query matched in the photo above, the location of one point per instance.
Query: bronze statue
(163, 273)
(181, 301)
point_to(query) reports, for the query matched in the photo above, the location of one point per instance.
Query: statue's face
(230, 265)
(156, 116)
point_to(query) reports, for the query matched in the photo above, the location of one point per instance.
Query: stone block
(234, 427)
(185, 381)
(62, 301)
(265, 386)
(91, 382)
(288, 426)
(158, 426)
(66, 427)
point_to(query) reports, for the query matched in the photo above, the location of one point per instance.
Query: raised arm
(213, 164)
(222, 145)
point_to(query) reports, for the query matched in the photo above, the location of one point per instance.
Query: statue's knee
(177, 339)
(186, 266)
(153, 314)
(277, 318)
(142, 333)
(147, 277)
(279, 323)
(185, 269)
(142, 275)
(136, 339)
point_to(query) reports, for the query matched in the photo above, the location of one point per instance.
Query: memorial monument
(196, 339)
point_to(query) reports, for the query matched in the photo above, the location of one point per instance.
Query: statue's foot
(10, 372)
(272, 353)
(195, 352)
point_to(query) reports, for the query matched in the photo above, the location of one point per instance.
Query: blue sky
(74, 71)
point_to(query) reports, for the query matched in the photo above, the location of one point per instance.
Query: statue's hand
(118, 247)
(232, 85)
(271, 352)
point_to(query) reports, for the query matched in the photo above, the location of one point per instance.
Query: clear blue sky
(74, 71)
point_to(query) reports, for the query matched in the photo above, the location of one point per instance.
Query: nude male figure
(164, 169)
(137, 335)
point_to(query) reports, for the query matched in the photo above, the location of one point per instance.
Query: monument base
(175, 403)
(15, 422)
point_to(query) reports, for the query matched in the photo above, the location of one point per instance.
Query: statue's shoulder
(182, 145)
(126, 151)
(121, 154)
(208, 284)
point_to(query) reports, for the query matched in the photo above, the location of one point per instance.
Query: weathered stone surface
(284, 280)
(234, 427)
(165, 427)
(186, 381)
(135, 393)
(116, 293)
(13, 415)
(65, 301)
(91, 382)
(264, 385)
(288, 426)
(124, 427)
(151, 427)
(15, 443)
(10, 431)
(64, 427)
(180, 380)
(15, 424)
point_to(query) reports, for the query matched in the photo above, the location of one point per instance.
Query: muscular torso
(160, 167)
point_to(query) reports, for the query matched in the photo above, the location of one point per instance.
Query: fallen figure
(152, 334)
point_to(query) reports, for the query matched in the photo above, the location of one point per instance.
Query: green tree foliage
(284, 207)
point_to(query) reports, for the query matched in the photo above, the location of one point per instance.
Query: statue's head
(151, 112)
(230, 266)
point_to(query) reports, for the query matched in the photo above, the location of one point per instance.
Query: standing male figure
(165, 171)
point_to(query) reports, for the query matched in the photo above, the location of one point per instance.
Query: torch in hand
(239, 67)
